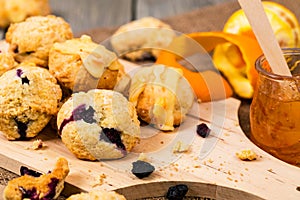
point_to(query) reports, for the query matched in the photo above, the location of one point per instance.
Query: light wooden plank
(89, 14)
(166, 8)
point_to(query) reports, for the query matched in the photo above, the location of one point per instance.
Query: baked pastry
(29, 97)
(97, 195)
(80, 64)
(32, 39)
(161, 95)
(99, 124)
(34, 185)
(12, 11)
(142, 38)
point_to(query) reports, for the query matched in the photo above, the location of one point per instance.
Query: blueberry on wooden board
(142, 169)
(177, 192)
(203, 130)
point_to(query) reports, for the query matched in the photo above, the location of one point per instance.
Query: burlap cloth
(211, 18)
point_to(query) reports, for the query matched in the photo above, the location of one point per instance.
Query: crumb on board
(180, 147)
(99, 180)
(143, 157)
(36, 145)
(246, 155)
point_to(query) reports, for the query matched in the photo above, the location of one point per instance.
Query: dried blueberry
(79, 113)
(111, 135)
(87, 115)
(177, 192)
(142, 169)
(23, 79)
(203, 130)
(52, 192)
(19, 72)
(22, 128)
(29, 194)
(24, 170)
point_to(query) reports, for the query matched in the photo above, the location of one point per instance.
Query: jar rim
(261, 58)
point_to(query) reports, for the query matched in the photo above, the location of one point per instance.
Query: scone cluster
(47, 74)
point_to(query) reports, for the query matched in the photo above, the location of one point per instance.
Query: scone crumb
(180, 147)
(143, 157)
(100, 180)
(246, 155)
(36, 145)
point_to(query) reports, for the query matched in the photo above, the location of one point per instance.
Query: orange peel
(249, 49)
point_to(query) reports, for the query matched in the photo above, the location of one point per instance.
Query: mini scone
(98, 124)
(29, 97)
(161, 95)
(34, 185)
(142, 38)
(80, 64)
(97, 195)
(32, 39)
(12, 11)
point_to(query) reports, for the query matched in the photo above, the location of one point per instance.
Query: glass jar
(275, 109)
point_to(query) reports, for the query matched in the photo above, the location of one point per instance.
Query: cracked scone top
(161, 95)
(34, 185)
(142, 38)
(99, 124)
(80, 64)
(32, 39)
(29, 97)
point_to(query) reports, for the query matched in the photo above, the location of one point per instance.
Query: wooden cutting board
(209, 160)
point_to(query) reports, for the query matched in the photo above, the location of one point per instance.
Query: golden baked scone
(32, 39)
(12, 11)
(142, 38)
(99, 124)
(97, 195)
(29, 97)
(161, 95)
(81, 64)
(38, 186)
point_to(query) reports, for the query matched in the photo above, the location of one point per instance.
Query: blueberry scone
(142, 38)
(12, 11)
(80, 64)
(97, 195)
(37, 186)
(29, 97)
(32, 39)
(99, 124)
(161, 95)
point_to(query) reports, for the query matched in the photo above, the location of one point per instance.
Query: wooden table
(89, 14)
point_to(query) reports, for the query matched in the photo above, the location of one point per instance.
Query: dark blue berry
(111, 135)
(24, 170)
(177, 192)
(203, 130)
(52, 192)
(23, 79)
(79, 113)
(87, 115)
(22, 128)
(29, 194)
(142, 169)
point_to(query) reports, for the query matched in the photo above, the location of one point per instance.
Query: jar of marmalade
(275, 109)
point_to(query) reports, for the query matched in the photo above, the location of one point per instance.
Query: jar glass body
(275, 109)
